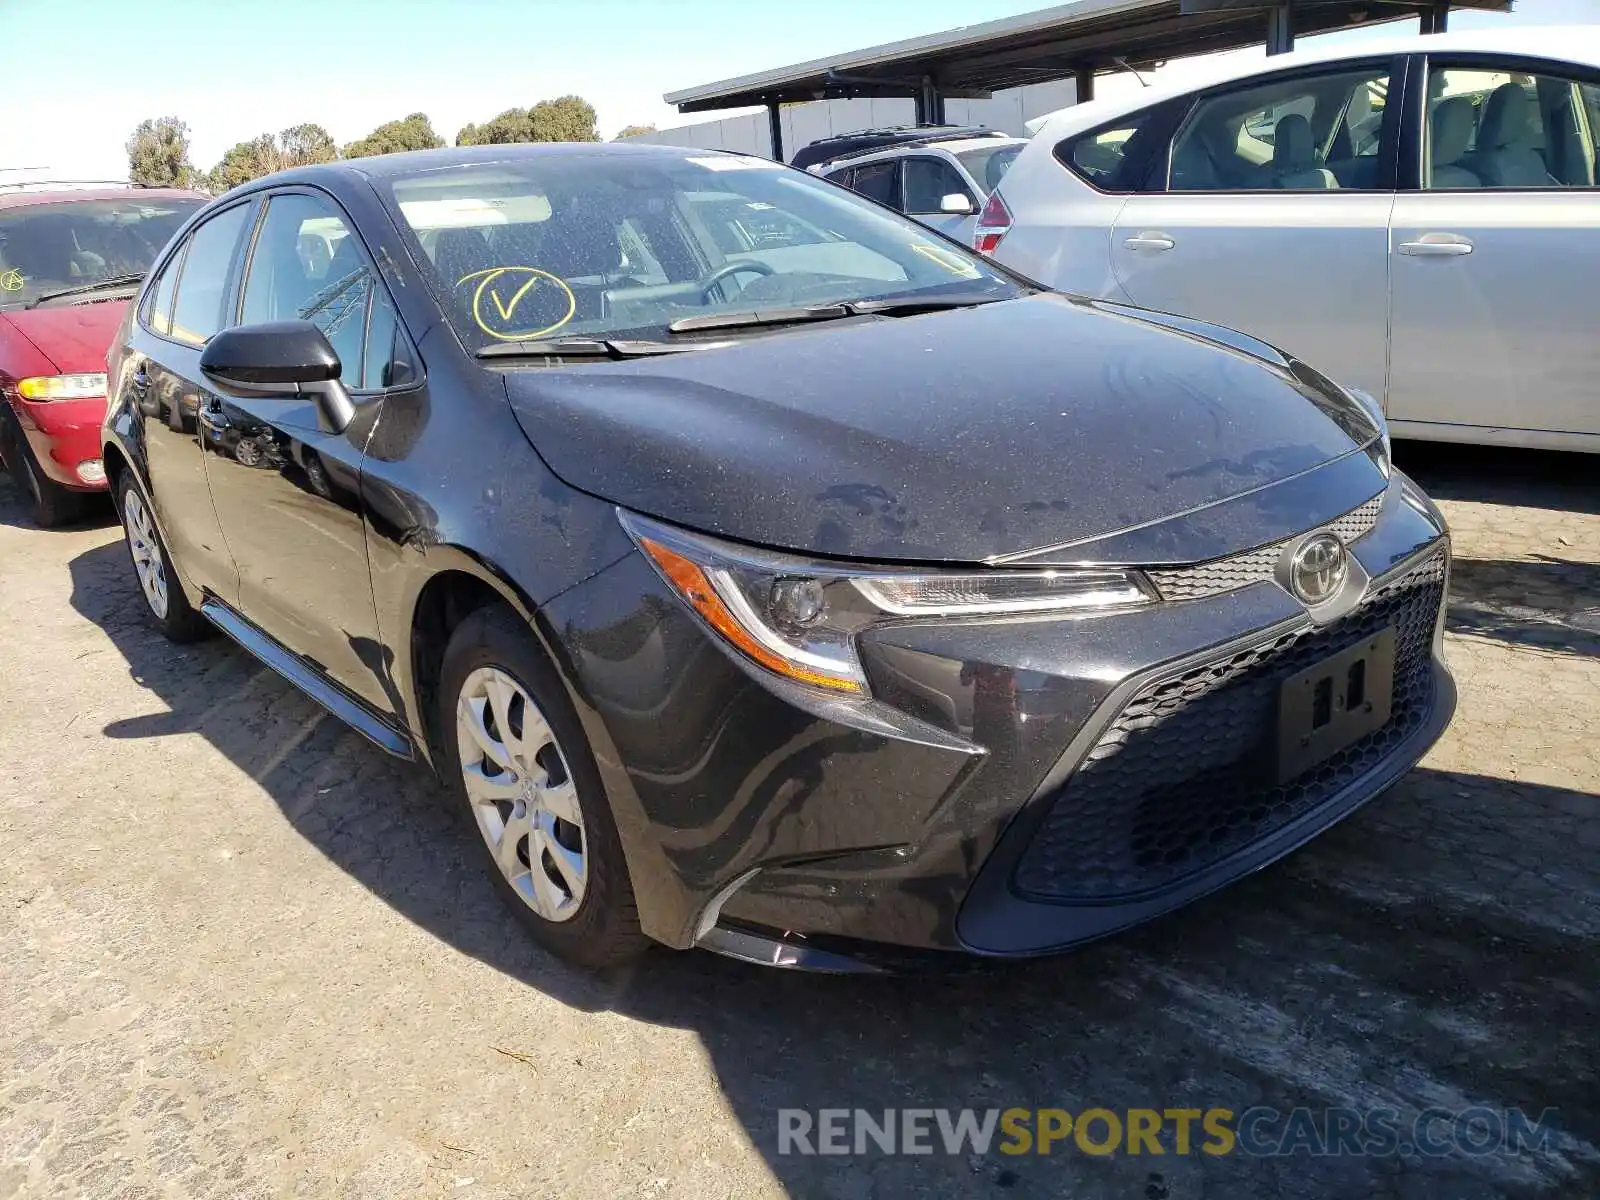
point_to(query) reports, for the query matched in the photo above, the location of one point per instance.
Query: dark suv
(812, 596)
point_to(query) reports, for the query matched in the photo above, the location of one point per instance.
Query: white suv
(939, 180)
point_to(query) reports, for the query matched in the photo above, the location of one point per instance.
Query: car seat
(1294, 157)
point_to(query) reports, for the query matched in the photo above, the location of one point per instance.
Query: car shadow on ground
(1499, 475)
(97, 511)
(1549, 603)
(1436, 950)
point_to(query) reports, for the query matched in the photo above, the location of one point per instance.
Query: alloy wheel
(522, 794)
(148, 563)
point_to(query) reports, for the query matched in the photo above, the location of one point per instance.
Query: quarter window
(1309, 134)
(158, 310)
(1509, 129)
(203, 285)
(1101, 157)
(928, 181)
(306, 266)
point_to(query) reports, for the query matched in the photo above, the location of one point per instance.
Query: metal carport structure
(1077, 41)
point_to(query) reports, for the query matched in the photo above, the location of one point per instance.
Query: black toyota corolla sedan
(760, 571)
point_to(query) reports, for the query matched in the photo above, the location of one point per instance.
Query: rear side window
(878, 181)
(197, 313)
(1310, 133)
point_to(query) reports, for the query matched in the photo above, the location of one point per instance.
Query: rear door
(162, 373)
(1495, 253)
(1271, 215)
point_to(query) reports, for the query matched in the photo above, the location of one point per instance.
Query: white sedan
(1415, 216)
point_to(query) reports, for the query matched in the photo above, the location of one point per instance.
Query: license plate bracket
(1336, 702)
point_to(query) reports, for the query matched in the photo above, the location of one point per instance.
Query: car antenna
(1132, 70)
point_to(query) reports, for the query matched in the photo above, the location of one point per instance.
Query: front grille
(1185, 774)
(1255, 566)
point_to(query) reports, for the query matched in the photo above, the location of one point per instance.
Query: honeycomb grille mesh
(1185, 774)
(1255, 566)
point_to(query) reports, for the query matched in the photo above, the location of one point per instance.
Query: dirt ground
(244, 954)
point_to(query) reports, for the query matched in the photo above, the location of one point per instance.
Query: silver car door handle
(1150, 241)
(1437, 245)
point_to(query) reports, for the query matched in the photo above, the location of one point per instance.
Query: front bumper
(64, 435)
(969, 808)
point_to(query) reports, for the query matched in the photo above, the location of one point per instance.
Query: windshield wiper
(582, 347)
(110, 281)
(891, 307)
(906, 306)
(765, 316)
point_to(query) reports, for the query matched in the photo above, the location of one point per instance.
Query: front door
(1494, 259)
(927, 180)
(287, 488)
(1275, 219)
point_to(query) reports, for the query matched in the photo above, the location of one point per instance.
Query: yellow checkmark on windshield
(507, 309)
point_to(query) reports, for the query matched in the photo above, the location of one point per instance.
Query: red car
(70, 261)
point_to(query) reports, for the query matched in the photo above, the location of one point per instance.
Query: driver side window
(307, 266)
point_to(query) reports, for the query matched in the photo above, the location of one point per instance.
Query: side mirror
(956, 204)
(277, 358)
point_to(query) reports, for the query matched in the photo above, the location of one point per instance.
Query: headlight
(62, 387)
(1384, 452)
(799, 618)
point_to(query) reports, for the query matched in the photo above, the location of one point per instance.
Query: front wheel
(515, 758)
(163, 595)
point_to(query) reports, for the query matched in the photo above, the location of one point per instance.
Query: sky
(83, 73)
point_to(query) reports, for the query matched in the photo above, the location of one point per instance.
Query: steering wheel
(727, 271)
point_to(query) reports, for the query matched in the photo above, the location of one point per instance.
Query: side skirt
(309, 680)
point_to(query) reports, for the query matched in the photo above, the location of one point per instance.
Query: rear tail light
(994, 222)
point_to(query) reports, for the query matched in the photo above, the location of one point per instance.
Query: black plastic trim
(312, 682)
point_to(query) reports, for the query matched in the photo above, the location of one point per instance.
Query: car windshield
(605, 246)
(50, 247)
(989, 163)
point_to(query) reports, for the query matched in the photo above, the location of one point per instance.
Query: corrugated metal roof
(1035, 47)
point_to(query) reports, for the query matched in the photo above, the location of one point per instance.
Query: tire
(49, 504)
(163, 594)
(574, 896)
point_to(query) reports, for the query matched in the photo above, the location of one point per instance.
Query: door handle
(1437, 245)
(1150, 241)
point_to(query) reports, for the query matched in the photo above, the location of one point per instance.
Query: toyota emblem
(1318, 569)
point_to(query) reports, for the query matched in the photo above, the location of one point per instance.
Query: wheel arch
(459, 583)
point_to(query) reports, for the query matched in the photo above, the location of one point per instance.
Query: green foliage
(294, 147)
(413, 133)
(566, 119)
(629, 131)
(158, 154)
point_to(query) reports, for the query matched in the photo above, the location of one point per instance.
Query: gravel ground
(245, 954)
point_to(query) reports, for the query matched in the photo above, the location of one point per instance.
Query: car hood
(75, 337)
(961, 436)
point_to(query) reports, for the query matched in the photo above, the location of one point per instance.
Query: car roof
(26, 199)
(381, 166)
(907, 149)
(1579, 44)
(959, 144)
